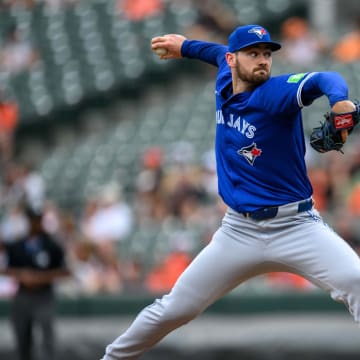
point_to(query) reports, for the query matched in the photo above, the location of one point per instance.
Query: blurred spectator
(109, 222)
(91, 272)
(320, 181)
(12, 189)
(164, 275)
(94, 273)
(35, 262)
(13, 225)
(344, 222)
(137, 10)
(168, 268)
(9, 118)
(354, 201)
(301, 45)
(34, 187)
(347, 49)
(53, 222)
(150, 176)
(285, 280)
(150, 204)
(112, 219)
(355, 162)
(340, 179)
(4, 4)
(209, 180)
(7, 287)
(17, 53)
(88, 277)
(214, 21)
(22, 185)
(187, 202)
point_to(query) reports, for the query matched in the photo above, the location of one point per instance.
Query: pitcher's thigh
(337, 263)
(327, 260)
(218, 268)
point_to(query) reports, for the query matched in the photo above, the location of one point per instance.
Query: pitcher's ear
(230, 58)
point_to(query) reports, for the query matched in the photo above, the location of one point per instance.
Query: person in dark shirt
(35, 262)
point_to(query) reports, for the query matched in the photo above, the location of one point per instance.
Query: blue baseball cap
(249, 35)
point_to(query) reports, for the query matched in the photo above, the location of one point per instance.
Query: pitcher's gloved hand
(333, 132)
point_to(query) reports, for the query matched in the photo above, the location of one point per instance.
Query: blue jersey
(260, 144)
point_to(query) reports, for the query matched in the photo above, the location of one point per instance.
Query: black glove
(332, 133)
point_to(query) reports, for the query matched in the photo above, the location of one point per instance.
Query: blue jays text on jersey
(260, 143)
(238, 123)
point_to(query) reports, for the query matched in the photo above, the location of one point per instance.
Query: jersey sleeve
(211, 53)
(286, 94)
(317, 84)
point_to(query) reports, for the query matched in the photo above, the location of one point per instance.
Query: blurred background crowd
(115, 147)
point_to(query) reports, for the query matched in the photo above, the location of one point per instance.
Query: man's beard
(255, 78)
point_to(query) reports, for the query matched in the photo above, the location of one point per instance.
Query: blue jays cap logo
(249, 35)
(259, 31)
(250, 153)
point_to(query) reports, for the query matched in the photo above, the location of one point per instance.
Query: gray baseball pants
(241, 248)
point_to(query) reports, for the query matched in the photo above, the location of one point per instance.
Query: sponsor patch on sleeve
(295, 78)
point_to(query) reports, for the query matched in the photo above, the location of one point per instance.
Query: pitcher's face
(253, 64)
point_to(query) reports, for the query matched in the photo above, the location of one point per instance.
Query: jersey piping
(298, 95)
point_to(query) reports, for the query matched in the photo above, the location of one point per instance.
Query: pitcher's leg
(319, 254)
(343, 275)
(218, 268)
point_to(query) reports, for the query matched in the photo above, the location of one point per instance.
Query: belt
(271, 212)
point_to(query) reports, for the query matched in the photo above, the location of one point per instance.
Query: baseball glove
(333, 132)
